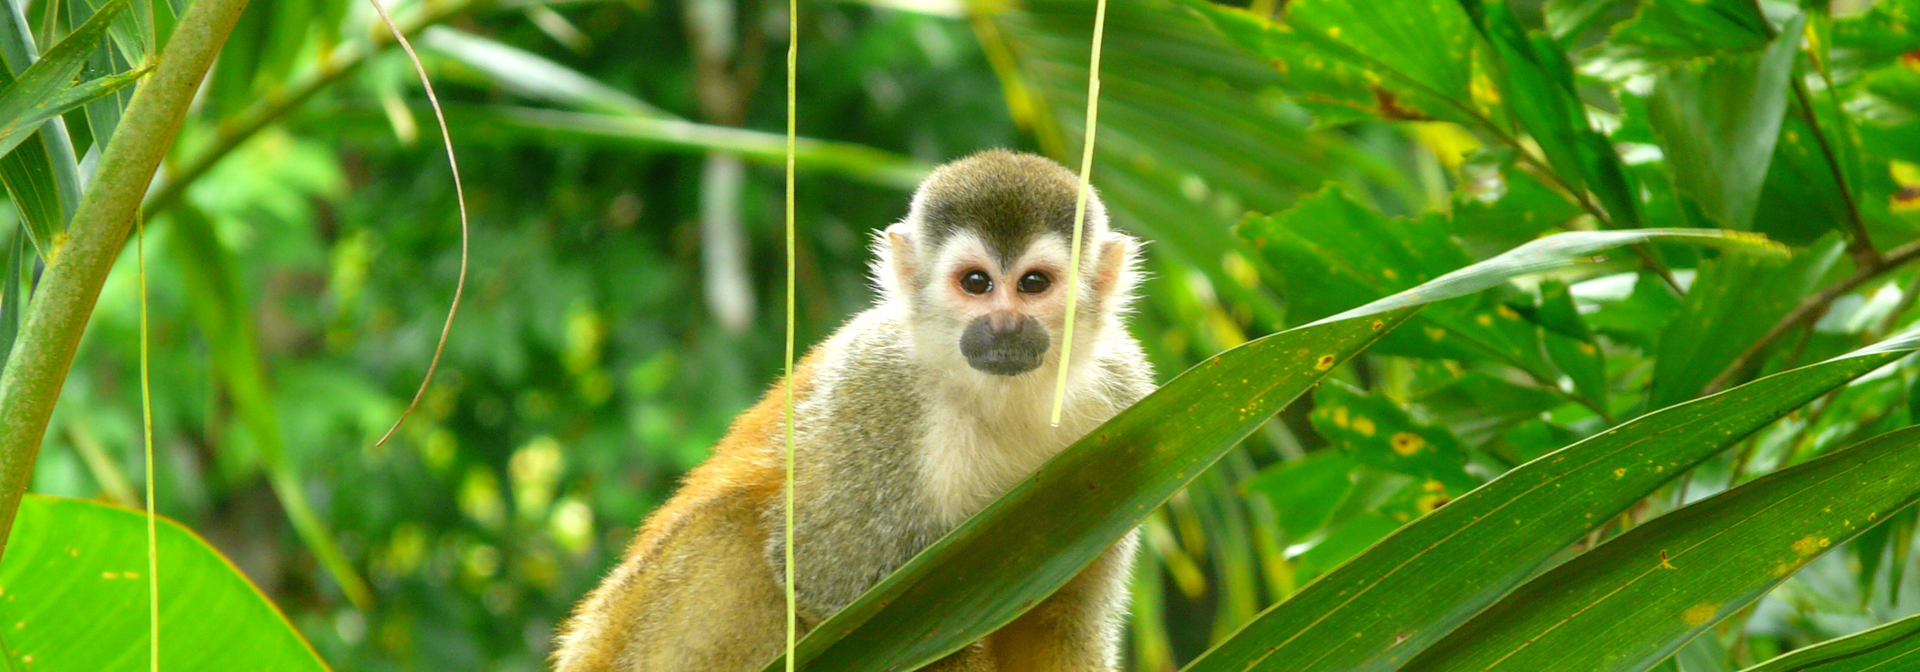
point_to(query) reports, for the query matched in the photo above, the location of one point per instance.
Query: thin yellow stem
(1080, 208)
(146, 423)
(793, 59)
(460, 200)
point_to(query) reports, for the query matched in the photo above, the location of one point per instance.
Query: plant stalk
(71, 285)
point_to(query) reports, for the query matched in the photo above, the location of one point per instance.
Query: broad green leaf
(1478, 405)
(1734, 300)
(1413, 587)
(1331, 253)
(1718, 120)
(1095, 491)
(1679, 29)
(1378, 431)
(1801, 199)
(1894, 646)
(532, 76)
(1634, 600)
(1391, 59)
(75, 586)
(1304, 492)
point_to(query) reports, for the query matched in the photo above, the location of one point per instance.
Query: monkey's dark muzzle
(1004, 345)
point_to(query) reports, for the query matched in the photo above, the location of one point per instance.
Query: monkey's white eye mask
(1005, 304)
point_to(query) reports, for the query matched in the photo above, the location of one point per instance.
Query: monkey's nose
(1006, 344)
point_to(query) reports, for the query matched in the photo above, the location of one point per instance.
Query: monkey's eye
(976, 282)
(1035, 282)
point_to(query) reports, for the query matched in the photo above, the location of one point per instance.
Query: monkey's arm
(1078, 629)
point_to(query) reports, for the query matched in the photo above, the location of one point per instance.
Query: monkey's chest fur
(887, 461)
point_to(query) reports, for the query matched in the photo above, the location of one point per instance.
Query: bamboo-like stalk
(38, 367)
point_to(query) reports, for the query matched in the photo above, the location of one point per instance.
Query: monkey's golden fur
(691, 558)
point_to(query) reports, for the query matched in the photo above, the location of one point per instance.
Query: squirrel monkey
(913, 416)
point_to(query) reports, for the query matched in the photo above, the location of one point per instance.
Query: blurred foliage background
(621, 160)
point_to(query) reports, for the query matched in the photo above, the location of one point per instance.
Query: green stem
(38, 368)
(344, 60)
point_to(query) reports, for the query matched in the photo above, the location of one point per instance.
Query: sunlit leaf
(74, 582)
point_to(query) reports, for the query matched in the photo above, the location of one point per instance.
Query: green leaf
(1413, 587)
(1894, 646)
(1568, 19)
(1304, 493)
(1570, 342)
(103, 113)
(1097, 490)
(1718, 121)
(1636, 599)
(1679, 29)
(1390, 59)
(44, 181)
(42, 178)
(1331, 253)
(75, 585)
(526, 74)
(1537, 87)
(1517, 210)
(45, 90)
(1800, 200)
(1377, 431)
(1733, 301)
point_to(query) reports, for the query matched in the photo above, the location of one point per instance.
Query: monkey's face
(1007, 307)
(981, 262)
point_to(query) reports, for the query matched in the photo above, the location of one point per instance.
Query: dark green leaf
(1677, 29)
(1377, 431)
(1304, 492)
(1718, 121)
(1636, 599)
(1735, 299)
(1413, 587)
(1894, 646)
(1393, 59)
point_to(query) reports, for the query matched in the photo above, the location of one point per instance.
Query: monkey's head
(981, 262)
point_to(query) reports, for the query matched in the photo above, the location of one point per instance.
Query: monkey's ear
(900, 259)
(1119, 255)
